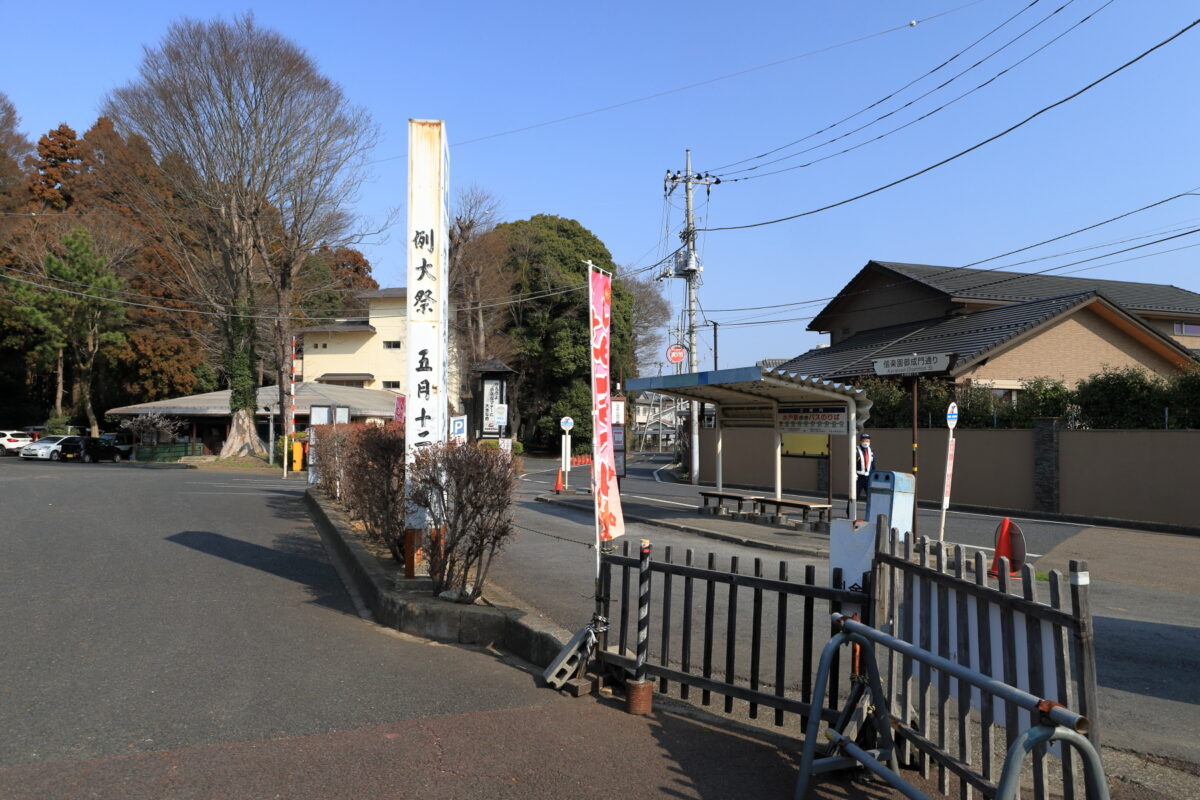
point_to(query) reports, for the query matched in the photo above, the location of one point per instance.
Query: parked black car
(89, 449)
(122, 441)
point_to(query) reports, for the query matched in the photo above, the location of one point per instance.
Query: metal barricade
(1057, 723)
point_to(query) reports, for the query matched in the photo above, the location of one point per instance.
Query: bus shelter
(758, 397)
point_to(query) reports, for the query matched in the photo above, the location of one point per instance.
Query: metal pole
(852, 472)
(643, 631)
(715, 351)
(829, 472)
(720, 452)
(690, 241)
(946, 490)
(778, 456)
(270, 436)
(1057, 714)
(916, 382)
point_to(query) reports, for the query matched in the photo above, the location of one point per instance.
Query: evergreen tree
(80, 322)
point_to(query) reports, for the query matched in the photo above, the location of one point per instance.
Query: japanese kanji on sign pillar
(610, 522)
(427, 337)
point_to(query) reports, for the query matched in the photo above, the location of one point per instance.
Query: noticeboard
(810, 419)
(806, 445)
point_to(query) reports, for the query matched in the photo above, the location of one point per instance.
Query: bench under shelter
(760, 397)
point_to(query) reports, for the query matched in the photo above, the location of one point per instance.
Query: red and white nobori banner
(610, 522)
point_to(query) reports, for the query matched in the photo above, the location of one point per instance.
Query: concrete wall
(1130, 475)
(1127, 475)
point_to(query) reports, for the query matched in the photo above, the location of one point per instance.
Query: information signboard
(814, 419)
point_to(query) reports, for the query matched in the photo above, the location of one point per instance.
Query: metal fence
(943, 600)
(167, 452)
(744, 636)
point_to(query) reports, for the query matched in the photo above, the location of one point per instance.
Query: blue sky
(489, 68)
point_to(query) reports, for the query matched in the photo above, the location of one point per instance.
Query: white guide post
(427, 342)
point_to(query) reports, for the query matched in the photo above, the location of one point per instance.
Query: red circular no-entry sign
(676, 353)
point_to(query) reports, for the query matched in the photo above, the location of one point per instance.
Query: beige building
(1002, 328)
(370, 354)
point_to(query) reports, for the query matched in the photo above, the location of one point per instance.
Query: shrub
(1183, 400)
(58, 423)
(333, 452)
(493, 444)
(372, 481)
(1122, 398)
(467, 493)
(152, 428)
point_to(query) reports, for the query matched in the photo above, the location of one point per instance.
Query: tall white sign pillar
(427, 342)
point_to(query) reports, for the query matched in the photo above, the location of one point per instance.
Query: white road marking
(1018, 519)
(660, 469)
(240, 494)
(659, 500)
(991, 549)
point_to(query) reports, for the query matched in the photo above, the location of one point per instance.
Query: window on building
(391, 345)
(1187, 329)
(392, 385)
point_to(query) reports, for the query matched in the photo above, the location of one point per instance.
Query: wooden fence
(744, 636)
(942, 600)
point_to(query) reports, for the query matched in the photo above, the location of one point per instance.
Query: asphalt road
(180, 633)
(1145, 600)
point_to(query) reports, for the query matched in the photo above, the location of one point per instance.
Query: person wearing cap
(864, 462)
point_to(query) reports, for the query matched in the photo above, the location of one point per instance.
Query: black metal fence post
(639, 692)
(643, 627)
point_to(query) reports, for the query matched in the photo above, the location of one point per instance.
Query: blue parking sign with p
(458, 429)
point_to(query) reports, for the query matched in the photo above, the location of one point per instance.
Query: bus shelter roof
(756, 385)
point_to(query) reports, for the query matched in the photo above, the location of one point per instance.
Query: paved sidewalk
(724, 528)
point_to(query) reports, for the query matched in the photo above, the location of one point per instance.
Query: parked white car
(12, 441)
(48, 447)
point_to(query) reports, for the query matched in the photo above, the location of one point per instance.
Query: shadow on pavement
(1147, 658)
(294, 558)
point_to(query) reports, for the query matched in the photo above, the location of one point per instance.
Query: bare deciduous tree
(261, 156)
(479, 276)
(650, 314)
(467, 492)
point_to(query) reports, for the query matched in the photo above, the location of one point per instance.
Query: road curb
(407, 605)
(812, 552)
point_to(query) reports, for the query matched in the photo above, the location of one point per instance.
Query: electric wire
(1193, 192)
(968, 150)
(904, 126)
(1007, 278)
(878, 102)
(706, 82)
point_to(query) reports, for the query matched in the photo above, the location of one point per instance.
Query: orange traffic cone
(558, 484)
(1003, 550)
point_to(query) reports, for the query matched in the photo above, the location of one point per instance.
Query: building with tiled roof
(1002, 328)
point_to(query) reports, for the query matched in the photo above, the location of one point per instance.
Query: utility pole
(687, 266)
(715, 351)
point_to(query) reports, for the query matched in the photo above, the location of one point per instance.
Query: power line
(1007, 278)
(893, 94)
(911, 122)
(1193, 192)
(970, 149)
(539, 294)
(698, 84)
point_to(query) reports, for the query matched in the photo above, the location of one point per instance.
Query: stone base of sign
(579, 687)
